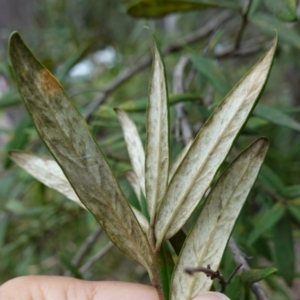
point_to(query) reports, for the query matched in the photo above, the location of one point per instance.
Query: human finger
(66, 288)
(211, 296)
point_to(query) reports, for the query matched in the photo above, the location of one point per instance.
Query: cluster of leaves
(170, 198)
(268, 225)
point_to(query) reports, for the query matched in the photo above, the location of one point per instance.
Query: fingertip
(211, 296)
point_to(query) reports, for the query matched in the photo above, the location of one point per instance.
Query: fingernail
(211, 296)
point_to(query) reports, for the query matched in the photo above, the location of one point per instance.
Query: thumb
(211, 296)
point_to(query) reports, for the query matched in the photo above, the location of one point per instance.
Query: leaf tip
(13, 41)
(263, 144)
(117, 110)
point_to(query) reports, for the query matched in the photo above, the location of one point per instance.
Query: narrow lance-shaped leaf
(157, 143)
(207, 240)
(134, 146)
(67, 136)
(286, 10)
(272, 216)
(209, 149)
(254, 275)
(284, 253)
(47, 171)
(276, 116)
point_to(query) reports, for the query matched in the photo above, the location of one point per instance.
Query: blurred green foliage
(41, 231)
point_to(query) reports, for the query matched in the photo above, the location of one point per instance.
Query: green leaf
(267, 221)
(292, 191)
(67, 136)
(9, 99)
(159, 8)
(255, 6)
(209, 149)
(19, 138)
(236, 289)
(276, 285)
(72, 60)
(157, 142)
(166, 264)
(268, 24)
(271, 179)
(47, 171)
(275, 116)
(285, 10)
(4, 220)
(284, 249)
(134, 146)
(295, 212)
(255, 275)
(70, 267)
(208, 238)
(177, 241)
(211, 72)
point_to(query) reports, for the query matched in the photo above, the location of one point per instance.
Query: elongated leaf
(157, 142)
(207, 240)
(292, 191)
(283, 9)
(10, 98)
(209, 149)
(67, 136)
(47, 171)
(295, 211)
(269, 23)
(211, 72)
(276, 116)
(4, 221)
(252, 276)
(141, 104)
(268, 220)
(255, 6)
(284, 253)
(277, 286)
(134, 146)
(19, 137)
(236, 289)
(154, 8)
(70, 267)
(271, 179)
(166, 264)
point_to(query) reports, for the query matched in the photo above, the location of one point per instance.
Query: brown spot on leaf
(48, 82)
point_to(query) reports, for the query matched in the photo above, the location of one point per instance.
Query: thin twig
(230, 51)
(214, 275)
(233, 274)
(182, 125)
(86, 246)
(209, 273)
(126, 74)
(239, 258)
(243, 26)
(273, 194)
(97, 256)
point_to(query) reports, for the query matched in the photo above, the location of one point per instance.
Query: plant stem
(155, 280)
